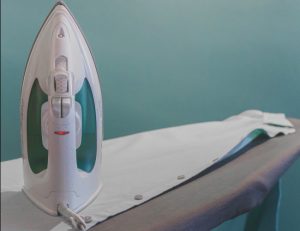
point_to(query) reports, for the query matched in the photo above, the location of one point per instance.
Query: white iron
(61, 117)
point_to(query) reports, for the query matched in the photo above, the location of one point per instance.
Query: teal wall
(168, 62)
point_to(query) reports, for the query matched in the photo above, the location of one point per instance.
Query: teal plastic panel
(86, 153)
(37, 154)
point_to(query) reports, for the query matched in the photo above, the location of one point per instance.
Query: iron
(61, 118)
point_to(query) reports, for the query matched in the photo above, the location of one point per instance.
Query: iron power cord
(78, 222)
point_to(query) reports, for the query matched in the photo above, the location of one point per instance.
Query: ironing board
(220, 193)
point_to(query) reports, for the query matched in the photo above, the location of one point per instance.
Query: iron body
(61, 117)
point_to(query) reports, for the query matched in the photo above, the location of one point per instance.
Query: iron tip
(61, 3)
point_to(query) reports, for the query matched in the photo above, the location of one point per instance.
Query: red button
(61, 132)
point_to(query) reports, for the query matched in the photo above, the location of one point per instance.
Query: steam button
(66, 103)
(56, 106)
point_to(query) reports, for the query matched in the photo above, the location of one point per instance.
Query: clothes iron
(61, 118)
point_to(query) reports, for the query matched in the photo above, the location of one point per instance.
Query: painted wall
(170, 62)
